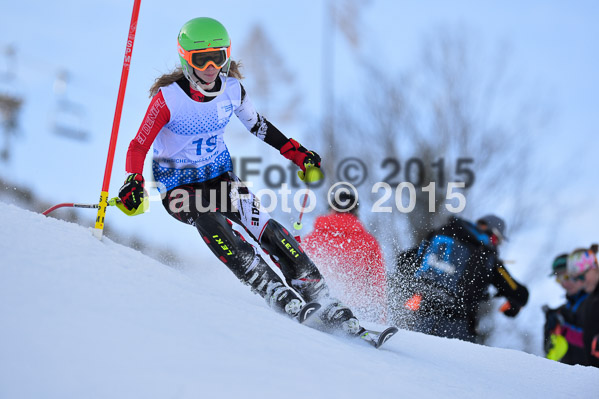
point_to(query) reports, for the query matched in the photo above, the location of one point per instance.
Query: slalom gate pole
(68, 205)
(99, 227)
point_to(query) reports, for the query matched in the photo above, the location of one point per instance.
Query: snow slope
(82, 318)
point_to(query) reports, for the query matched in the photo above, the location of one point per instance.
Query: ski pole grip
(312, 175)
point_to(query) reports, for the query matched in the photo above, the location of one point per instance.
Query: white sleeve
(253, 122)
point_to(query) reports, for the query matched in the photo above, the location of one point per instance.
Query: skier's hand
(552, 319)
(132, 192)
(300, 156)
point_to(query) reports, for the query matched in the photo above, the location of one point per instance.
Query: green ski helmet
(203, 42)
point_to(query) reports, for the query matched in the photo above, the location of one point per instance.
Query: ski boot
(300, 272)
(282, 298)
(247, 265)
(304, 277)
(339, 317)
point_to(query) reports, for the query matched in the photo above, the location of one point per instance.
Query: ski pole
(298, 225)
(312, 175)
(99, 227)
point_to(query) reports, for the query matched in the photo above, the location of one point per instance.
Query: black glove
(516, 300)
(132, 192)
(552, 319)
(510, 309)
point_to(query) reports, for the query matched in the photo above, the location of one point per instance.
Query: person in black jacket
(563, 336)
(449, 275)
(582, 265)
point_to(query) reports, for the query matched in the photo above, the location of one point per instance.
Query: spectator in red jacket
(349, 257)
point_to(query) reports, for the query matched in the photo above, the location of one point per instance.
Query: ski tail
(308, 310)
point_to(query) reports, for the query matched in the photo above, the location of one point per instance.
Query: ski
(376, 338)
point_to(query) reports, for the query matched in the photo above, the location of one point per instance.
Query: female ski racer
(186, 121)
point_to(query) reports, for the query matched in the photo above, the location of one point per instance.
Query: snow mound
(83, 318)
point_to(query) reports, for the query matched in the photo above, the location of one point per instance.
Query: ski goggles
(580, 277)
(202, 59)
(561, 277)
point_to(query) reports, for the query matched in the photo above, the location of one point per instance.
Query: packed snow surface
(83, 318)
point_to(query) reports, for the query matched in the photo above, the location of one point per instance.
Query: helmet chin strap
(197, 83)
(202, 81)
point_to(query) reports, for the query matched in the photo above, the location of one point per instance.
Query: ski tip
(307, 311)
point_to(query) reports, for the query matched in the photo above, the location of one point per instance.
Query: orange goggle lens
(201, 59)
